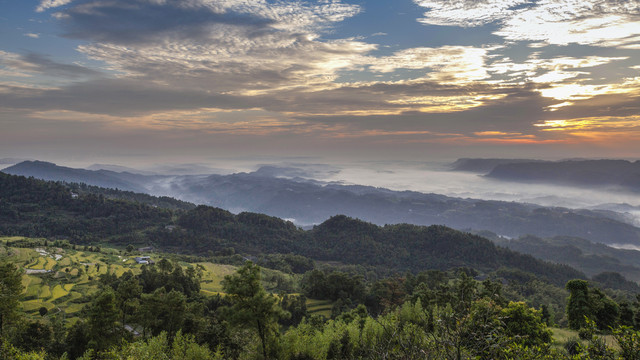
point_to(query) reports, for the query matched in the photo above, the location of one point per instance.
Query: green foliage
(333, 286)
(9, 352)
(251, 306)
(35, 336)
(628, 342)
(183, 347)
(573, 346)
(604, 309)
(578, 307)
(10, 289)
(102, 316)
(163, 311)
(526, 324)
(590, 303)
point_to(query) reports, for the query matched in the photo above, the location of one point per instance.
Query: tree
(163, 311)
(128, 298)
(102, 317)
(526, 324)
(252, 306)
(605, 310)
(10, 290)
(578, 306)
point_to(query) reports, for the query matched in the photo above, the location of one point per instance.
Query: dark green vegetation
(395, 292)
(591, 258)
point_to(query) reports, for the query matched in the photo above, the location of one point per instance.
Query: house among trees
(133, 331)
(144, 260)
(148, 248)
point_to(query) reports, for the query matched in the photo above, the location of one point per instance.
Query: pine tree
(252, 306)
(10, 290)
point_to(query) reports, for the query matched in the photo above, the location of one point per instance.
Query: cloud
(119, 97)
(450, 64)
(33, 63)
(32, 35)
(593, 122)
(188, 64)
(49, 4)
(466, 13)
(233, 46)
(127, 22)
(559, 22)
(581, 91)
(607, 23)
(146, 22)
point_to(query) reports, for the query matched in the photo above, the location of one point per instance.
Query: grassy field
(212, 277)
(561, 336)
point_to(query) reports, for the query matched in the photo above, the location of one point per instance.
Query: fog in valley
(435, 177)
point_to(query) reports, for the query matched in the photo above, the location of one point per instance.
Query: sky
(407, 80)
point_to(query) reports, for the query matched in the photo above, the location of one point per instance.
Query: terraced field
(72, 274)
(319, 307)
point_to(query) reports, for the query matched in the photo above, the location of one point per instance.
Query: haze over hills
(611, 173)
(588, 257)
(484, 165)
(289, 193)
(615, 174)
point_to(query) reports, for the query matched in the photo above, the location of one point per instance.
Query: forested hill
(49, 171)
(36, 208)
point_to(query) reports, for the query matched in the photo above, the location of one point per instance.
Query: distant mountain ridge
(484, 165)
(312, 202)
(52, 172)
(309, 202)
(619, 174)
(614, 173)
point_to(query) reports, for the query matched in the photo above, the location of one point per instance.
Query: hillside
(37, 208)
(578, 253)
(49, 171)
(44, 209)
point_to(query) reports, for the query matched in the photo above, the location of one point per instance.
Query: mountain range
(307, 202)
